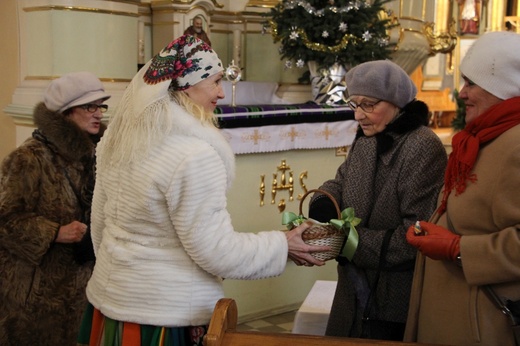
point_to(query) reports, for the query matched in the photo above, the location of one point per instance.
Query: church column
(237, 46)
(62, 36)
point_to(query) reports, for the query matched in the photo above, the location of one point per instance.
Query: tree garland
(334, 31)
(319, 47)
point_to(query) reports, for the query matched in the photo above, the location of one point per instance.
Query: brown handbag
(509, 308)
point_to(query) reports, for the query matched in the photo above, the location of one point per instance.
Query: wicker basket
(324, 234)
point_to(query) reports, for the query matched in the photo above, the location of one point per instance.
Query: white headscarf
(143, 116)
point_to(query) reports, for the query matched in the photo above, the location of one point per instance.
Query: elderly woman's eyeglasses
(92, 107)
(367, 107)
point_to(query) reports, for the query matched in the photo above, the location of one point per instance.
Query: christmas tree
(331, 31)
(459, 122)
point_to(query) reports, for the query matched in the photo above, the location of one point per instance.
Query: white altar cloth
(273, 138)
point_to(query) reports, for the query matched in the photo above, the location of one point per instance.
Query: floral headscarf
(185, 61)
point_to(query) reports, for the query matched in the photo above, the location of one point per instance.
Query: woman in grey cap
(391, 177)
(473, 240)
(46, 187)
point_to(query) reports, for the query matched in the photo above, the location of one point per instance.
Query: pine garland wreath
(331, 31)
(459, 122)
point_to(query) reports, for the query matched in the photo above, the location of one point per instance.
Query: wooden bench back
(222, 332)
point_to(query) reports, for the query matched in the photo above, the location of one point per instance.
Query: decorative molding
(105, 80)
(135, 2)
(182, 2)
(21, 115)
(79, 9)
(173, 22)
(262, 3)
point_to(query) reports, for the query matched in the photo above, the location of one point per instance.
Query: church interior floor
(281, 323)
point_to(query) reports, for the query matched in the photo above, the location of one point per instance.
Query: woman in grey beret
(46, 187)
(391, 177)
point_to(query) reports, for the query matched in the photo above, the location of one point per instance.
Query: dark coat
(42, 287)
(391, 180)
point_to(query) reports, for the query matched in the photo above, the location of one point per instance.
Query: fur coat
(391, 180)
(42, 287)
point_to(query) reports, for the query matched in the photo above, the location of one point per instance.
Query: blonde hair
(131, 136)
(182, 99)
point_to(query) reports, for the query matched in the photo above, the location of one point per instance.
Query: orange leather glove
(436, 242)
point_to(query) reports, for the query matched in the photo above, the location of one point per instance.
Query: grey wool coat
(391, 180)
(42, 288)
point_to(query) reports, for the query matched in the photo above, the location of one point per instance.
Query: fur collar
(64, 136)
(413, 116)
(187, 125)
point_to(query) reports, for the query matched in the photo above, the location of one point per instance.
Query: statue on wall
(469, 16)
(197, 30)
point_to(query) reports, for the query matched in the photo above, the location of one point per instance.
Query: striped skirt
(99, 330)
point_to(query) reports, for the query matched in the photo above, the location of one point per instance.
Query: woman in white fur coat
(161, 232)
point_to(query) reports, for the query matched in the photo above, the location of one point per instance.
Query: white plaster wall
(267, 296)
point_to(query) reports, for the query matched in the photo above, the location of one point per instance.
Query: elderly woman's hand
(299, 252)
(71, 233)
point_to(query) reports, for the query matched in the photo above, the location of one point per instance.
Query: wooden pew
(222, 332)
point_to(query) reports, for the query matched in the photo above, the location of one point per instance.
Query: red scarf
(466, 145)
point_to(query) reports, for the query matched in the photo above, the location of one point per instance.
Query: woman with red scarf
(473, 240)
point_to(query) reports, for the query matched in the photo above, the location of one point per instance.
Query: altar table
(311, 318)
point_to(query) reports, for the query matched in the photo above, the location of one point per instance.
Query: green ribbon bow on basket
(347, 224)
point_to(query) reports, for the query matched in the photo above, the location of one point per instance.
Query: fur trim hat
(73, 89)
(493, 63)
(381, 79)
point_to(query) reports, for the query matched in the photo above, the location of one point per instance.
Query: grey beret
(381, 79)
(73, 89)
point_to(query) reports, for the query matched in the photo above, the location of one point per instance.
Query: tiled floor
(282, 323)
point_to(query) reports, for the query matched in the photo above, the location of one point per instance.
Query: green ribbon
(347, 224)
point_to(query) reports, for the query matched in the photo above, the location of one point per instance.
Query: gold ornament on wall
(443, 42)
(282, 182)
(303, 175)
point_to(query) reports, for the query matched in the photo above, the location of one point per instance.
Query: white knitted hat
(493, 63)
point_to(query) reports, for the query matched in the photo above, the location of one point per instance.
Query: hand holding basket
(330, 234)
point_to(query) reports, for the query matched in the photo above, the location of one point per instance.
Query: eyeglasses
(92, 107)
(368, 107)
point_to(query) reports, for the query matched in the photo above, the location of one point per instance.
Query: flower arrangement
(330, 31)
